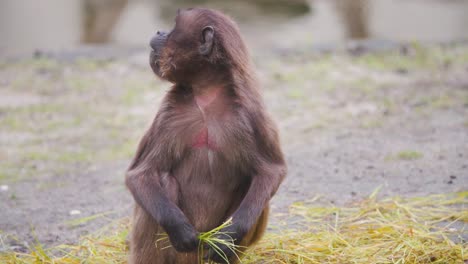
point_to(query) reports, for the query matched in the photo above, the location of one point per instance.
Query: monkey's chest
(215, 153)
(213, 167)
(215, 146)
(209, 178)
(203, 140)
(213, 135)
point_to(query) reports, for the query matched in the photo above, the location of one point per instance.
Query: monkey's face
(178, 55)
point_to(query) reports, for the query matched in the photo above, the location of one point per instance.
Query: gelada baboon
(211, 153)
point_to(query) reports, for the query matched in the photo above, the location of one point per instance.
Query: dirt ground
(350, 124)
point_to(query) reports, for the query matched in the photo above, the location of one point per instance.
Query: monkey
(212, 152)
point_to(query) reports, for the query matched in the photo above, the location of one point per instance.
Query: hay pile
(417, 230)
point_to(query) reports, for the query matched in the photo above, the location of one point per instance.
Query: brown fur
(201, 163)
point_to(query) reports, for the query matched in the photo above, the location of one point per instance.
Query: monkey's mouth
(154, 56)
(154, 61)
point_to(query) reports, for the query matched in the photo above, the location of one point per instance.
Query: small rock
(4, 188)
(450, 182)
(75, 212)
(401, 70)
(453, 177)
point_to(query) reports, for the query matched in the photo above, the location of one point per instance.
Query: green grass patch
(43, 63)
(405, 155)
(12, 123)
(296, 94)
(89, 64)
(37, 156)
(370, 124)
(79, 84)
(132, 96)
(409, 155)
(75, 156)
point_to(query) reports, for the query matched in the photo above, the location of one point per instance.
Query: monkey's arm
(149, 194)
(269, 171)
(262, 187)
(146, 185)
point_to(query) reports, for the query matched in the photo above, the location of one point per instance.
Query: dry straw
(428, 229)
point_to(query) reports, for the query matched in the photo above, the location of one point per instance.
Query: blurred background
(367, 94)
(29, 25)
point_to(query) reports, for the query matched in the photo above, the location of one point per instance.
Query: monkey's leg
(143, 236)
(258, 229)
(254, 234)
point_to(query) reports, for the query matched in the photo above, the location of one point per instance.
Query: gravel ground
(397, 119)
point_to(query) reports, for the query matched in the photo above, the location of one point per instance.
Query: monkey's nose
(158, 40)
(154, 43)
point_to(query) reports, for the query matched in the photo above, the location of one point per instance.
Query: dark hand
(234, 234)
(183, 236)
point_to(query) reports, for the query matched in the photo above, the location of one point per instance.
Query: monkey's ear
(207, 40)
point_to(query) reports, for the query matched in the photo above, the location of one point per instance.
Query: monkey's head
(202, 41)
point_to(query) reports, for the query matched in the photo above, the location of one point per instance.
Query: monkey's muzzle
(157, 44)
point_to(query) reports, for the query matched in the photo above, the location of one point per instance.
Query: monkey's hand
(230, 233)
(183, 236)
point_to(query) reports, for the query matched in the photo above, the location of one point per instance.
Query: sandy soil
(349, 124)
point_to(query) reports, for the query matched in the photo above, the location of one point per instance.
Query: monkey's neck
(206, 95)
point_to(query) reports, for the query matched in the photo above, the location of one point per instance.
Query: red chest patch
(202, 140)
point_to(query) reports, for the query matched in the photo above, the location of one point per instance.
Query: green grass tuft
(409, 155)
(212, 240)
